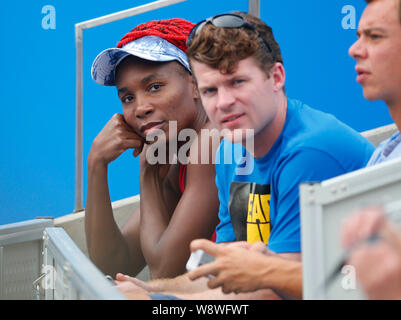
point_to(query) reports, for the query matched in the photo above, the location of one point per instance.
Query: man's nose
(225, 99)
(358, 50)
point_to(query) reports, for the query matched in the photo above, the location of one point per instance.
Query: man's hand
(115, 138)
(378, 265)
(257, 247)
(237, 266)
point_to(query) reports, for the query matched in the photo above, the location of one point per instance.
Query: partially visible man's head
(223, 48)
(399, 7)
(377, 51)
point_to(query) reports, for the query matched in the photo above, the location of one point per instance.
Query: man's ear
(278, 75)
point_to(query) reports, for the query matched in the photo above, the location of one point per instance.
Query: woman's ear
(195, 91)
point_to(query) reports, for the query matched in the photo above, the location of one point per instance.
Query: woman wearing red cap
(151, 71)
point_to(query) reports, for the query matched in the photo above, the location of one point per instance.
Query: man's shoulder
(312, 122)
(312, 128)
(323, 136)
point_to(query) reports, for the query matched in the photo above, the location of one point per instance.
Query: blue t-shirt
(262, 202)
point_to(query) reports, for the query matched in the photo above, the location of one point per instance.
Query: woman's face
(154, 94)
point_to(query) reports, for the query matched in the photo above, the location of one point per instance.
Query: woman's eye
(155, 87)
(128, 99)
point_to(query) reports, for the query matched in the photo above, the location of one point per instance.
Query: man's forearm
(285, 278)
(183, 287)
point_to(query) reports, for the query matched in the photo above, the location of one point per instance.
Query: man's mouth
(362, 74)
(232, 118)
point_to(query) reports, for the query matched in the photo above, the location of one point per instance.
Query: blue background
(37, 88)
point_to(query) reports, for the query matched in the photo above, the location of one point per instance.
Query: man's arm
(262, 270)
(185, 288)
(237, 280)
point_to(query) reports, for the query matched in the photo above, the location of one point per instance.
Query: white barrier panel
(323, 208)
(377, 135)
(69, 274)
(21, 258)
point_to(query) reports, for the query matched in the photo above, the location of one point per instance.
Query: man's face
(378, 51)
(153, 94)
(242, 100)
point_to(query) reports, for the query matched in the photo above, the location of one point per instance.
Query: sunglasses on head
(227, 20)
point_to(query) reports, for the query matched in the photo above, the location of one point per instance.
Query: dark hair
(399, 8)
(223, 48)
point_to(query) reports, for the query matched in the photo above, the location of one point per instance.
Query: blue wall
(37, 89)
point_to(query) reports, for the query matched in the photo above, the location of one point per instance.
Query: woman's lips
(151, 127)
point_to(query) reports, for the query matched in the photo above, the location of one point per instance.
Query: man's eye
(375, 36)
(209, 91)
(239, 81)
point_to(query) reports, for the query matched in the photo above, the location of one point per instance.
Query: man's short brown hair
(399, 8)
(224, 48)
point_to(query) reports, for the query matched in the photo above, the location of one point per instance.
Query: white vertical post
(78, 121)
(254, 8)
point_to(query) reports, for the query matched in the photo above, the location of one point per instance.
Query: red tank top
(181, 184)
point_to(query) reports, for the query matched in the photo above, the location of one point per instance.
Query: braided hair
(175, 31)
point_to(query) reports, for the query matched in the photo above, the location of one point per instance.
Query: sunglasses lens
(228, 21)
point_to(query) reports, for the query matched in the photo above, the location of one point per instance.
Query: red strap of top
(181, 177)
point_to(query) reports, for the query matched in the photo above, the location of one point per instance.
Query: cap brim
(148, 48)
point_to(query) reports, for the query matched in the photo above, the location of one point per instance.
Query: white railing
(21, 247)
(323, 207)
(68, 274)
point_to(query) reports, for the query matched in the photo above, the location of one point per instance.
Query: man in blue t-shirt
(241, 78)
